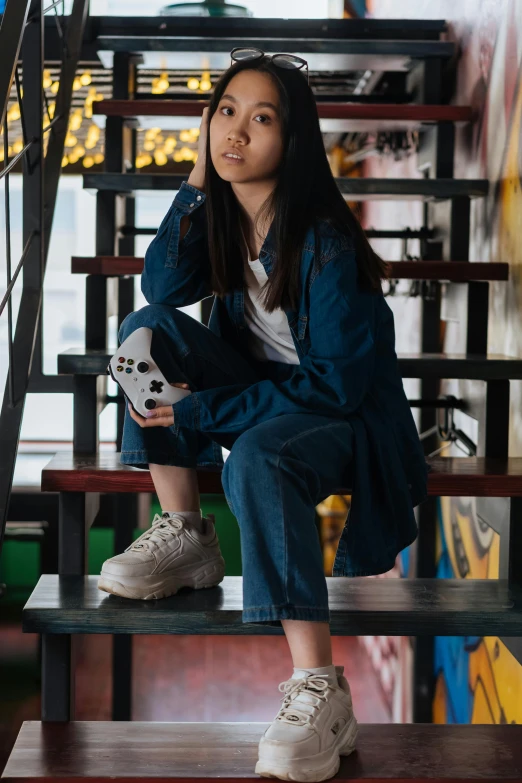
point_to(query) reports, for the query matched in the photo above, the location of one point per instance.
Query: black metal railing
(22, 39)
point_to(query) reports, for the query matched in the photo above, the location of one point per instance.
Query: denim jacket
(345, 342)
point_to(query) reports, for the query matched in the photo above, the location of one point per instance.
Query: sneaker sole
(209, 575)
(314, 768)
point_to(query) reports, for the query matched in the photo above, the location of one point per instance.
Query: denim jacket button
(191, 205)
(198, 198)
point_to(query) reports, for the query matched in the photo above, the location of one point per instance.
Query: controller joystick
(138, 344)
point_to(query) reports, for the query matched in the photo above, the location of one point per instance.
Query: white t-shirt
(270, 338)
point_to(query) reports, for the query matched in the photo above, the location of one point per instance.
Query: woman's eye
(265, 117)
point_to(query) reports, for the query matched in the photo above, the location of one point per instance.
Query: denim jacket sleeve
(332, 378)
(177, 272)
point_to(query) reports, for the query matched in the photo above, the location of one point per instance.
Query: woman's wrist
(197, 178)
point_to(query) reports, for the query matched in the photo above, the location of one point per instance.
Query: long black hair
(305, 192)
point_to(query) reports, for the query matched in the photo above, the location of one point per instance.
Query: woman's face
(247, 120)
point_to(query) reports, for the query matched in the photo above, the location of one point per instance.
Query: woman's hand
(197, 175)
(161, 417)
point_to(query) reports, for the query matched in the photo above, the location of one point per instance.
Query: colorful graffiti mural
(478, 679)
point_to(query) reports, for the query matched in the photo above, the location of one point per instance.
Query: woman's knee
(152, 315)
(251, 455)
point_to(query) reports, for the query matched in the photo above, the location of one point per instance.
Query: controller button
(150, 404)
(156, 387)
(130, 361)
(128, 369)
(119, 368)
(121, 359)
(143, 367)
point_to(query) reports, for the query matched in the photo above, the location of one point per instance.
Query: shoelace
(160, 531)
(313, 688)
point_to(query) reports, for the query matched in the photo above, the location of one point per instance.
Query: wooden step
(453, 271)
(25, 531)
(324, 54)
(353, 117)
(107, 751)
(357, 189)
(358, 606)
(485, 367)
(450, 476)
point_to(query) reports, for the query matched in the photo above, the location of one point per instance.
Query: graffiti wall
(479, 680)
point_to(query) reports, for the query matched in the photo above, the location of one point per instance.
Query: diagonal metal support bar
(39, 199)
(11, 36)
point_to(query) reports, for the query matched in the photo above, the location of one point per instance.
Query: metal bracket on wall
(447, 431)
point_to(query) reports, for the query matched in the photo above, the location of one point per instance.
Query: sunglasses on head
(282, 60)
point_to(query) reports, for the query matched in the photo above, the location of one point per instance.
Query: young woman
(296, 376)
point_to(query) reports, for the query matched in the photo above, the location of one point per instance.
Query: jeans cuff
(141, 459)
(265, 614)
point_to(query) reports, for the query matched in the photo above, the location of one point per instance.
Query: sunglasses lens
(287, 61)
(247, 54)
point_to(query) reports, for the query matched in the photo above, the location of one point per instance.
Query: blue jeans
(273, 478)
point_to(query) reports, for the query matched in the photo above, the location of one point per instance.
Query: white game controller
(139, 377)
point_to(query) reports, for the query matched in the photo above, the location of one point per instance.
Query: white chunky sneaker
(314, 727)
(167, 556)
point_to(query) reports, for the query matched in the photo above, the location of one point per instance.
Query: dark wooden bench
(452, 271)
(453, 476)
(353, 117)
(358, 606)
(357, 189)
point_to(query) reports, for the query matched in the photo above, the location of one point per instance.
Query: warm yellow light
(52, 109)
(169, 145)
(65, 161)
(79, 150)
(18, 146)
(54, 87)
(1, 153)
(88, 161)
(149, 146)
(163, 82)
(178, 156)
(99, 158)
(184, 135)
(47, 81)
(160, 158)
(205, 85)
(194, 132)
(98, 96)
(70, 140)
(75, 123)
(186, 152)
(151, 133)
(86, 78)
(14, 113)
(193, 83)
(77, 85)
(93, 136)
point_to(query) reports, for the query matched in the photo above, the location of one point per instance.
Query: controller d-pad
(156, 387)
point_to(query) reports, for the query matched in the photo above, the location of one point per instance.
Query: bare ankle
(176, 487)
